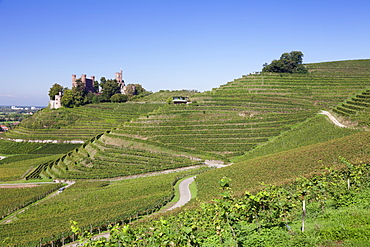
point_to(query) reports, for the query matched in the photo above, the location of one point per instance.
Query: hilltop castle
(88, 85)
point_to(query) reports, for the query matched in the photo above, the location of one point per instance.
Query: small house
(3, 128)
(180, 100)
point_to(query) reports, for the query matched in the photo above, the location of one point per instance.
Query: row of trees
(110, 92)
(288, 63)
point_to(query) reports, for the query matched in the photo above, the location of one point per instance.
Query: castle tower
(74, 80)
(119, 77)
(121, 82)
(86, 82)
(83, 79)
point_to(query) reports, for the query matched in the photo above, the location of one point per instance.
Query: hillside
(79, 123)
(266, 126)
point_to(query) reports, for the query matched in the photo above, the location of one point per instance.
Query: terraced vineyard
(225, 122)
(242, 114)
(122, 157)
(357, 108)
(16, 198)
(266, 124)
(94, 204)
(80, 123)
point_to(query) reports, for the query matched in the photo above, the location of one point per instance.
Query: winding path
(333, 119)
(185, 194)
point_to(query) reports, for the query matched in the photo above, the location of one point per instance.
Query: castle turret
(119, 77)
(73, 80)
(83, 79)
(121, 82)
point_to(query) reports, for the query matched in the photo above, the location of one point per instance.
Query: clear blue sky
(167, 44)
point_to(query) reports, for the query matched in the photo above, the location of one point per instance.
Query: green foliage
(13, 199)
(299, 136)
(256, 219)
(288, 63)
(11, 147)
(54, 90)
(118, 98)
(280, 167)
(94, 205)
(226, 122)
(18, 169)
(348, 68)
(68, 98)
(78, 123)
(356, 108)
(109, 88)
(99, 160)
(164, 95)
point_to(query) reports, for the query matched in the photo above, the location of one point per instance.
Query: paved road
(185, 194)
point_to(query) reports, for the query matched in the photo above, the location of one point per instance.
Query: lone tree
(288, 63)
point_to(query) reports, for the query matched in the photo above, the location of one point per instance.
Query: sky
(167, 44)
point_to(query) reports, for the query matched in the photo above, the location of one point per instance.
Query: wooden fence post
(303, 213)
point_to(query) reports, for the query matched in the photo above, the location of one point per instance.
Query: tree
(130, 90)
(67, 99)
(96, 86)
(79, 94)
(110, 87)
(288, 63)
(134, 89)
(117, 98)
(54, 90)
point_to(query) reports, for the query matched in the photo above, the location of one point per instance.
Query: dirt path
(333, 119)
(46, 141)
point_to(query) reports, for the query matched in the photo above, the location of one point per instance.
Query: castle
(88, 84)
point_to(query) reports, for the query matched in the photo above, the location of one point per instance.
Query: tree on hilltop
(54, 90)
(288, 63)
